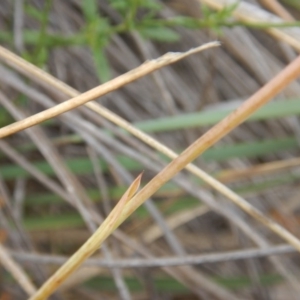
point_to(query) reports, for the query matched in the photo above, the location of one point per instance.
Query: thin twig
(49, 79)
(119, 281)
(174, 221)
(101, 90)
(278, 9)
(261, 169)
(190, 275)
(43, 77)
(188, 279)
(18, 24)
(247, 12)
(16, 271)
(159, 262)
(72, 185)
(265, 94)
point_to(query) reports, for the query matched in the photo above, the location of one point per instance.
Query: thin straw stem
(114, 84)
(16, 271)
(265, 94)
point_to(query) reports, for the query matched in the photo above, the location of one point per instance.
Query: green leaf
(120, 5)
(41, 199)
(42, 57)
(227, 11)
(214, 19)
(269, 111)
(32, 38)
(90, 9)
(162, 34)
(165, 284)
(33, 12)
(58, 222)
(102, 65)
(292, 3)
(81, 166)
(206, 11)
(150, 4)
(5, 118)
(186, 22)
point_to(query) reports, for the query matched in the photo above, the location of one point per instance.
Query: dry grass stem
(42, 77)
(265, 94)
(190, 279)
(154, 232)
(114, 84)
(16, 271)
(89, 247)
(248, 12)
(159, 262)
(69, 175)
(278, 9)
(261, 169)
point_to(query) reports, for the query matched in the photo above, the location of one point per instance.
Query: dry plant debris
(61, 179)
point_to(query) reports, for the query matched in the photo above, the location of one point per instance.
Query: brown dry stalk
(114, 84)
(16, 271)
(261, 169)
(47, 80)
(192, 259)
(278, 9)
(248, 12)
(90, 246)
(114, 215)
(265, 94)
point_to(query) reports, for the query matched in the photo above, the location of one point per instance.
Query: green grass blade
(81, 166)
(270, 111)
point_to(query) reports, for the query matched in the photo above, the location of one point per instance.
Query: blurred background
(61, 178)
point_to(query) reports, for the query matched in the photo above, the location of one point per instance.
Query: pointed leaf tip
(125, 198)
